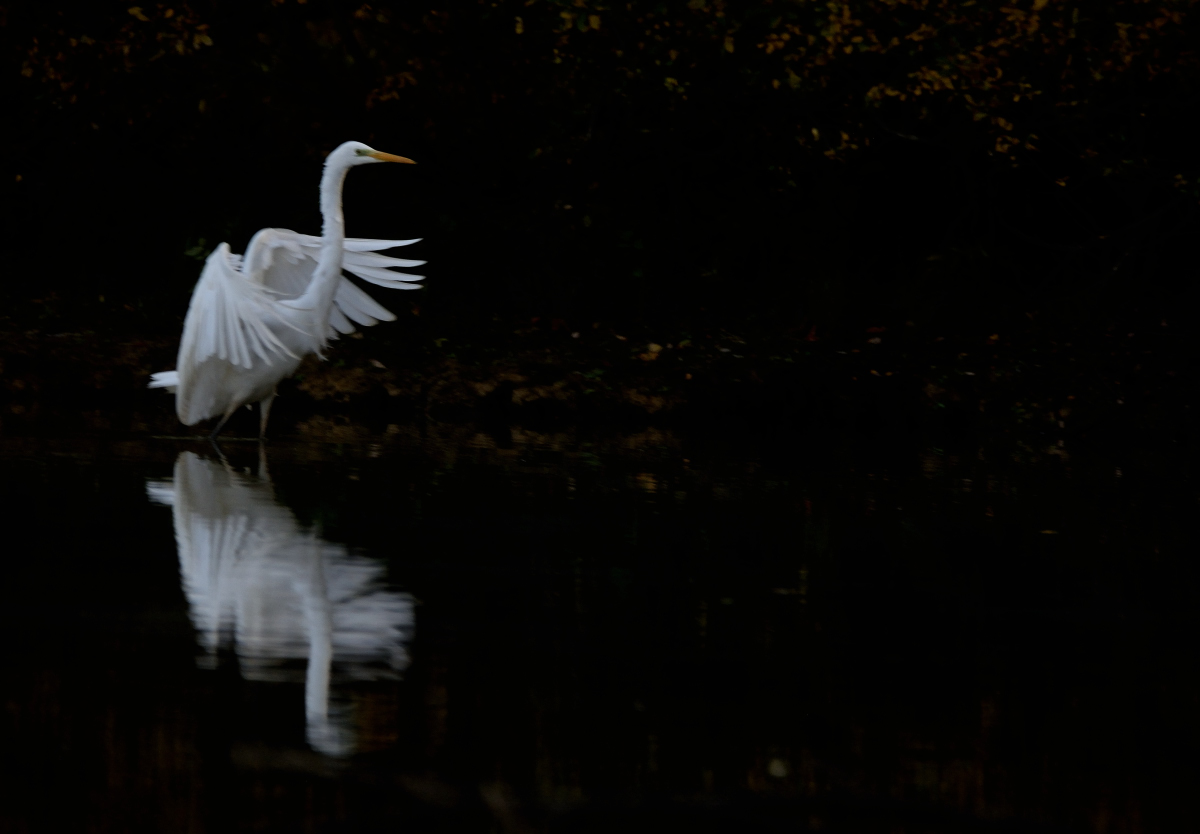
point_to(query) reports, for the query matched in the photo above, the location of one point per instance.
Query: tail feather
(165, 379)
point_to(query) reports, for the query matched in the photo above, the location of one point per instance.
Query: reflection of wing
(285, 594)
(371, 625)
(222, 523)
(283, 261)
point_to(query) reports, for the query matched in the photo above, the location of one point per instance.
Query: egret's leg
(264, 410)
(221, 455)
(263, 473)
(221, 425)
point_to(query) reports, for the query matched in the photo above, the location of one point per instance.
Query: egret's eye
(362, 152)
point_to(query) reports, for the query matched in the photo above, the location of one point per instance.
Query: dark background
(941, 275)
(683, 142)
(620, 633)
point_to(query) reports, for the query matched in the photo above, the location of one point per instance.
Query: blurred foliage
(784, 161)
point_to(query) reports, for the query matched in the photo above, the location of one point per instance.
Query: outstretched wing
(229, 317)
(283, 261)
(276, 260)
(363, 259)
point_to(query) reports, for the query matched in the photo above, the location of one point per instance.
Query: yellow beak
(389, 157)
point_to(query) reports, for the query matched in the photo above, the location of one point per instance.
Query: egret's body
(252, 319)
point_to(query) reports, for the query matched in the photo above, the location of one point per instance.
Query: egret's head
(356, 153)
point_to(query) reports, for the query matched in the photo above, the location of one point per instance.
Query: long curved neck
(332, 180)
(328, 273)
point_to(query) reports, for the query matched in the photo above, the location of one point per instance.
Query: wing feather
(230, 317)
(372, 259)
(277, 259)
(359, 306)
(375, 275)
(362, 244)
(339, 322)
(283, 262)
(351, 244)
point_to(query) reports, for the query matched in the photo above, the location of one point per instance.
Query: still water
(437, 628)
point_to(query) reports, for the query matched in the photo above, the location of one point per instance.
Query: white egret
(252, 319)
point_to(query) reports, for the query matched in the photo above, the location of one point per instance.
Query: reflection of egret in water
(284, 593)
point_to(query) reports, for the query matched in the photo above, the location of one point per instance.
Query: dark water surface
(442, 629)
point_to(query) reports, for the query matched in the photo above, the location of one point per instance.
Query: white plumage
(251, 572)
(252, 319)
